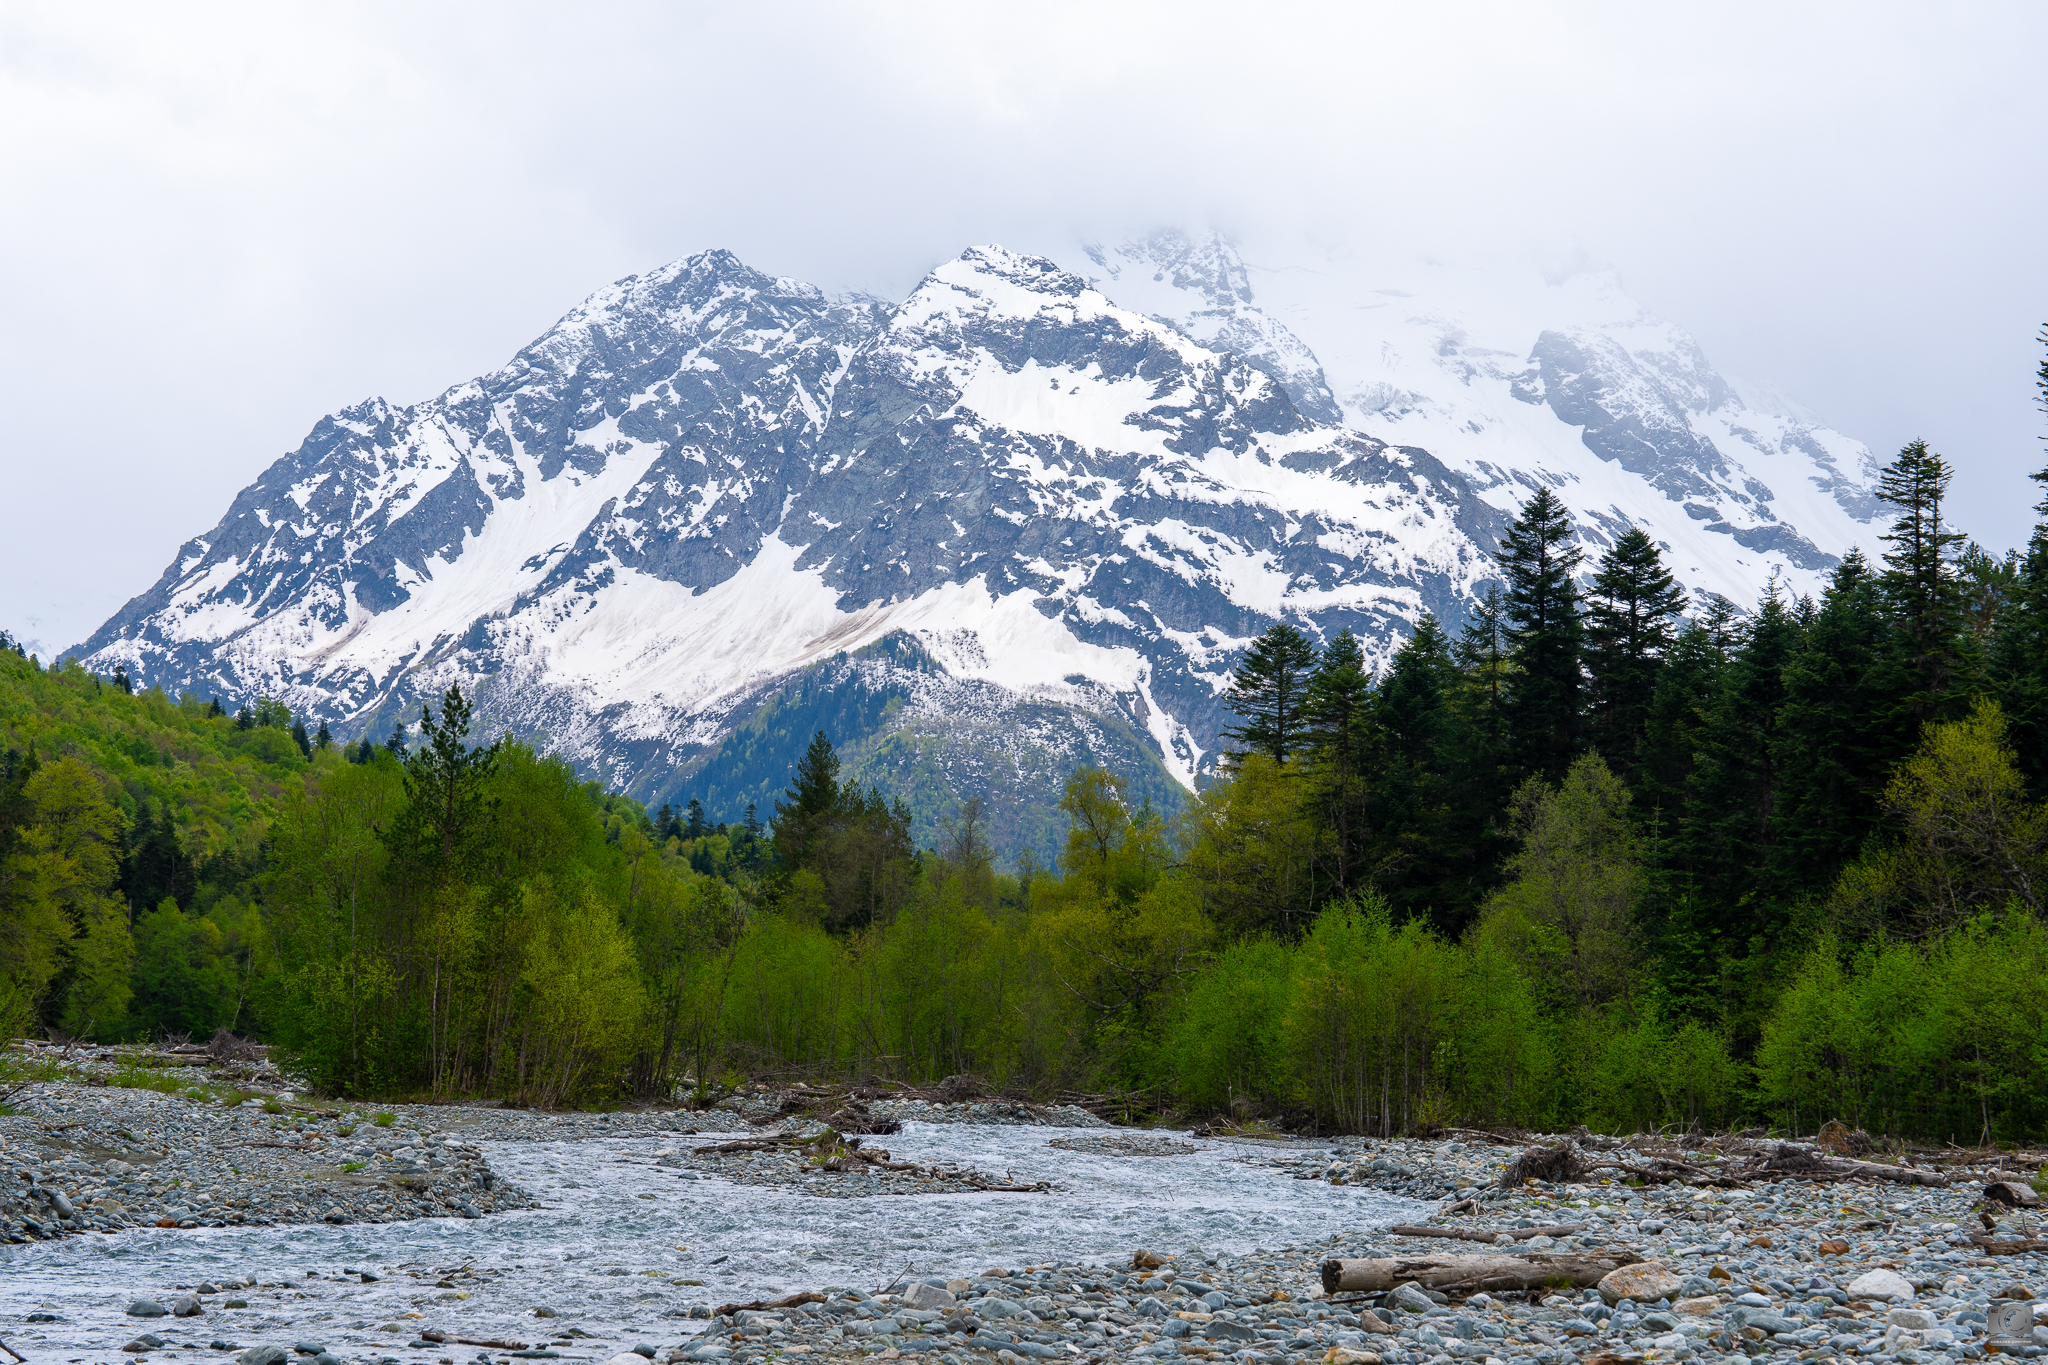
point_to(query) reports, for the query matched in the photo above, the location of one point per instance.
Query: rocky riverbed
(617, 1239)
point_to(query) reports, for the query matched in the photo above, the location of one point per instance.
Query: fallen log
(764, 1305)
(1811, 1165)
(2008, 1246)
(446, 1339)
(1472, 1274)
(1484, 1235)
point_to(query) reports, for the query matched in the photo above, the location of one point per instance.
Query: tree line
(1604, 854)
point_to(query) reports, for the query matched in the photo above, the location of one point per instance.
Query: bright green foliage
(1942, 1039)
(185, 980)
(1566, 914)
(1970, 839)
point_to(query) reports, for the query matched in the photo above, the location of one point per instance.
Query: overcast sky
(218, 222)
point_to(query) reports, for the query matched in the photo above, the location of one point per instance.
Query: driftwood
(2009, 1246)
(446, 1339)
(1486, 1235)
(764, 1305)
(1472, 1274)
(1565, 1163)
(839, 1153)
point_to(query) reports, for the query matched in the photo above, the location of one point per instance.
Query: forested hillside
(1586, 860)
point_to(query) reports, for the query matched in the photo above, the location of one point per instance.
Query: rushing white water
(611, 1215)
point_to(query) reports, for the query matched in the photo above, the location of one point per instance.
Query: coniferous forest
(1601, 855)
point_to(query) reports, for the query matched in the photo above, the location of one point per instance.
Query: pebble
(77, 1159)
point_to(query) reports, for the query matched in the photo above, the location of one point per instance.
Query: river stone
(148, 1341)
(262, 1355)
(1645, 1282)
(1912, 1319)
(1880, 1284)
(1221, 1329)
(147, 1308)
(1349, 1355)
(1410, 1298)
(922, 1295)
(627, 1358)
(993, 1308)
(186, 1306)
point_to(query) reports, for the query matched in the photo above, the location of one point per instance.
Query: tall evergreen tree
(2019, 663)
(1428, 841)
(1339, 714)
(1687, 686)
(1920, 579)
(1538, 558)
(1630, 610)
(1270, 691)
(1726, 833)
(695, 825)
(809, 804)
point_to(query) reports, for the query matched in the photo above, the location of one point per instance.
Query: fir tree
(446, 787)
(1339, 732)
(1729, 824)
(697, 826)
(1270, 691)
(1631, 606)
(1931, 674)
(1428, 843)
(323, 740)
(396, 744)
(2019, 664)
(121, 679)
(810, 803)
(1538, 558)
(1835, 731)
(301, 738)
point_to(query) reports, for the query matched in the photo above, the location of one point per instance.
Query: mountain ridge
(1035, 527)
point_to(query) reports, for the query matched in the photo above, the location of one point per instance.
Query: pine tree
(1728, 826)
(1837, 733)
(323, 740)
(446, 784)
(810, 803)
(1270, 691)
(1426, 841)
(696, 827)
(1538, 558)
(301, 738)
(396, 744)
(1631, 606)
(1339, 731)
(1920, 580)
(2019, 664)
(121, 679)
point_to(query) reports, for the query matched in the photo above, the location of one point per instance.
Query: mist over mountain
(1023, 519)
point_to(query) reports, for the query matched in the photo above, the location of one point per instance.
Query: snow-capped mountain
(995, 530)
(1513, 378)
